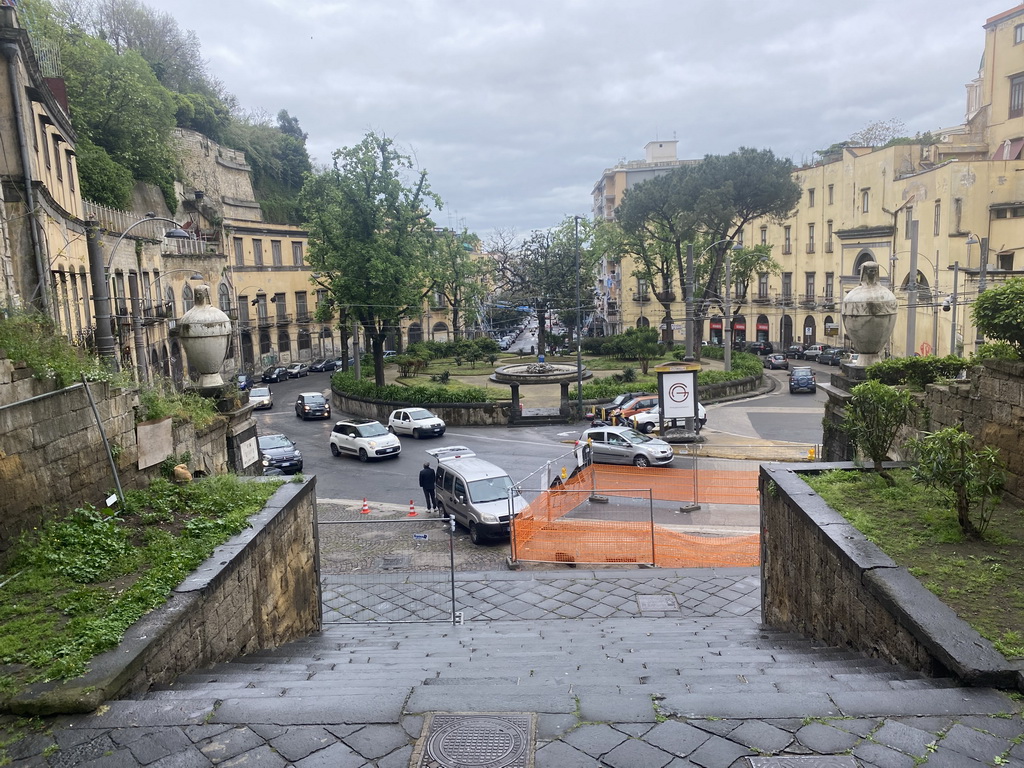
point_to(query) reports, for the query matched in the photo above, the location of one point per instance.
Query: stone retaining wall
(52, 457)
(257, 591)
(822, 578)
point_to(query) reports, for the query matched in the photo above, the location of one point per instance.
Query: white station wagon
(418, 422)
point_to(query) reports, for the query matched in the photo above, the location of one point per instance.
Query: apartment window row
(279, 301)
(276, 252)
(810, 287)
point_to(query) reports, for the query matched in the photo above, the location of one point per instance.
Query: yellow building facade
(943, 219)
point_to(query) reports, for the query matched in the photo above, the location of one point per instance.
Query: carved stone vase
(204, 332)
(869, 315)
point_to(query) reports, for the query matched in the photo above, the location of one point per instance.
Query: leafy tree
(370, 235)
(119, 106)
(641, 344)
(709, 203)
(874, 415)
(105, 181)
(457, 273)
(974, 478)
(878, 133)
(999, 313)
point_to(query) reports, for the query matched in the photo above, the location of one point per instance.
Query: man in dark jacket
(427, 480)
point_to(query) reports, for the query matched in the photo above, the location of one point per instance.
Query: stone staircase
(599, 669)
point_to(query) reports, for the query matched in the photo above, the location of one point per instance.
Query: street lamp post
(579, 326)
(951, 303)
(100, 275)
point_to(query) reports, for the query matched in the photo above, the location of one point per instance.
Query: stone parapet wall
(257, 591)
(822, 578)
(990, 405)
(52, 457)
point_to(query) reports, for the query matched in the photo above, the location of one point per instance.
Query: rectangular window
(739, 238)
(865, 200)
(809, 285)
(830, 278)
(937, 218)
(71, 170)
(908, 222)
(764, 235)
(257, 252)
(239, 252)
(958, 213)
(787, 286)
(275, 252)
(1018, 34)
(831, 194)
(1017, 96)
(297, 259)
(828, 237)
(762, 285)
(301, 309)
(280, 306)
(810, 238)
(46, 144)
(56, 159)
(810, 197)
(787, 239)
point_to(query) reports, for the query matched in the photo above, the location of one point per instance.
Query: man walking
(427, 479)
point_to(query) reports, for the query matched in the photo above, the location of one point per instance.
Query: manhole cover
(392, 562)
(482, 740)
(804, 761)
(657, 603)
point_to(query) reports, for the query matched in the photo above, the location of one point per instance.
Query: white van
(478, 494)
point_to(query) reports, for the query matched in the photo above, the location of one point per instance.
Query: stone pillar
(243, 450)
(564, 409)
(517, 408)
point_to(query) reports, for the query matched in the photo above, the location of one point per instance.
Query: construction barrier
(547, 532)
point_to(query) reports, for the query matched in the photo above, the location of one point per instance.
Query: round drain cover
(477, 742)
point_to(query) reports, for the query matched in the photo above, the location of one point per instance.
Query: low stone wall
(724, 390)
(257, 591)
(52, 457)
(822, 578)
(453, 414)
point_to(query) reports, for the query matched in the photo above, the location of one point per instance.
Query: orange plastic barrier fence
(543, 533)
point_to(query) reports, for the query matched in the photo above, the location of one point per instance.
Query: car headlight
(486, 518)
(372, 443)
(266, 461)
(298, 455)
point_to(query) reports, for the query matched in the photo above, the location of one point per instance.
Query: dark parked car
(280, 453)
(795, 351)
(760, 347)
(274, 374)
(776, 360)
(832, 356)
(312, 405)
(801, 379)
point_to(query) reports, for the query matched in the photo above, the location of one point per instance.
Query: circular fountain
(527, 374)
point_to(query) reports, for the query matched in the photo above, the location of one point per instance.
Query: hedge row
(421, 394)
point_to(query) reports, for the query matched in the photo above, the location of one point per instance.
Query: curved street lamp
(100, 276)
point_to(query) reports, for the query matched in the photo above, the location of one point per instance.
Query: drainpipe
(13, 57)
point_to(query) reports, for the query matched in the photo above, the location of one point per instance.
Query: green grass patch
(981, 580)
(74, 585)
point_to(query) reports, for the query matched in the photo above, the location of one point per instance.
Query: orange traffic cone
(366, 508)
(412, 508)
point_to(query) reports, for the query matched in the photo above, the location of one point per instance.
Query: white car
(365, 439)
(418, 422)
(648, 421)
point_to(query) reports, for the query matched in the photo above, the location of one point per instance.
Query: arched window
(284, 343)
(187, 299)
(172, 307)
(415, 333)
(224, 298)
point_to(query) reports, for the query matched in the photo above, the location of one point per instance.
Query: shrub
(917, 372)
(999, 313)
(421, 394)
(996, 350)
(159, 400)
(874, 415)
(31, 338)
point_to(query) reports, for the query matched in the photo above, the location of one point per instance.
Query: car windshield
(259, 392)
(376, 429)
(417, 414)
(491, 489)
(275, 441)
(314, 400)
(635, 437)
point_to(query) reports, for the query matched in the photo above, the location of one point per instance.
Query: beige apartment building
(943, 219)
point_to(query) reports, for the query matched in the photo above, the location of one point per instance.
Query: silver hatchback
(623, 445)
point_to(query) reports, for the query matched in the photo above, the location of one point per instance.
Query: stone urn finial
(204, 332)
(869, 315)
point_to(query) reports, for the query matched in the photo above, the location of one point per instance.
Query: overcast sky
(515, 108)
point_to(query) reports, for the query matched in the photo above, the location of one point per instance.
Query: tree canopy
(370, 236)
(999, 313)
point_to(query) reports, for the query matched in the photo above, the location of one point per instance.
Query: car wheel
(416, 434)
(334, 450)
(641, 461)
(647, 427)
(391, 429)
(363, 455)
(474, 533)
